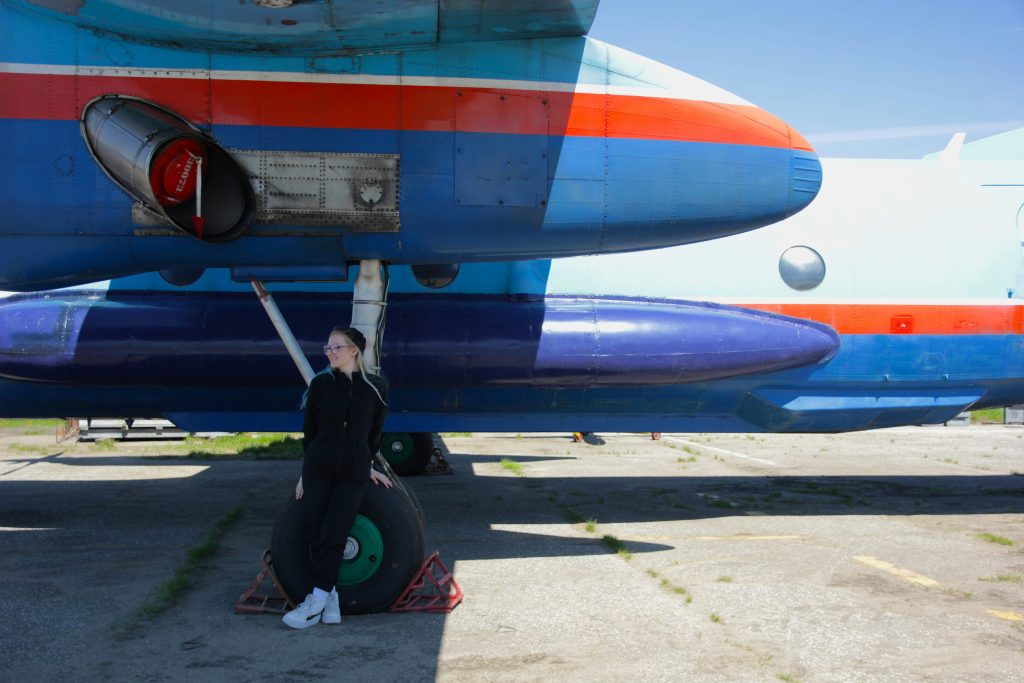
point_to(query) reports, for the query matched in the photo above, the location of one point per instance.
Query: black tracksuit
(341, 426)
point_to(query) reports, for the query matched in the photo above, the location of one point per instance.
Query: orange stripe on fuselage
(863, 318)
(406, 107)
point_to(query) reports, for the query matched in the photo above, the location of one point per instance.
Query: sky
(859, 78)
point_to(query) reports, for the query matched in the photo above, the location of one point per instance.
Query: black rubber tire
(400, 526)
(415, 462)
(382, 465)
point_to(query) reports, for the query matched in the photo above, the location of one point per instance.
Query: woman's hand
(298, 490)
(378, 478)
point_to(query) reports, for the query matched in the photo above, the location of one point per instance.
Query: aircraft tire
(408, 453)
(390, 535)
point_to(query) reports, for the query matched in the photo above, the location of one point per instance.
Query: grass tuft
(992, 538)
(590, 525)
(715, 619)
(724, 579)
(618, 546)
(512, 466)
(1003, 578)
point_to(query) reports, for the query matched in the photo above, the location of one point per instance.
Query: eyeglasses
(335, 349)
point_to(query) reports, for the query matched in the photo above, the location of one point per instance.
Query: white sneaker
(307, 614)
(332, 612)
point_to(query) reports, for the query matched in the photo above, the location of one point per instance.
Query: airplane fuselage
(921, 280)
(450, 152)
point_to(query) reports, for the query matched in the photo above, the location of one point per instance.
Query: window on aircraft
(802, 268)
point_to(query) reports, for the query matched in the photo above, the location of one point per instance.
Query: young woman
(344, 410)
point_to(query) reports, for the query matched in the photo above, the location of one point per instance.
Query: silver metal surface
(802, 268)
(369, 302)
(357, 192)
(125, 134)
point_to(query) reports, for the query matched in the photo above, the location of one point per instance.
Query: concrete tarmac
(876, 556)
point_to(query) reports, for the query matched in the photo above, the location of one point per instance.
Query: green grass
(590, 525)
(171, 591)
(18, 423)
(512, 466)
(669, 586)
(715, 619)
(992, 538)
(1003, 578)
(246, 445)
(787, 679)
(456, 434)
(617, 546)
(724, 579)
(996, 415)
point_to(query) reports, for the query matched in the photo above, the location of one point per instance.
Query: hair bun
(356, 337)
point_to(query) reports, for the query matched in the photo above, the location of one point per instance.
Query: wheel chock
(438, 464)
(260, 598)
(432, 589)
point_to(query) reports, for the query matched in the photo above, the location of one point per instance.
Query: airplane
(145, 135)
(281, 141)
(896, 298)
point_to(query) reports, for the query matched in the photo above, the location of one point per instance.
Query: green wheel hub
(397, 447)
(364, 553)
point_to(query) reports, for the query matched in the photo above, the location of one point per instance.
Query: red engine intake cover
(173, 173)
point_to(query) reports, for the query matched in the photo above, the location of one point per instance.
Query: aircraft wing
(302, 26)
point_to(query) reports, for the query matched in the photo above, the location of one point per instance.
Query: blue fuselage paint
(66, 222)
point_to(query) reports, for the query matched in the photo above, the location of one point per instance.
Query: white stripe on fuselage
(695, 90)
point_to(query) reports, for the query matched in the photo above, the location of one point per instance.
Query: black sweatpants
(330, 507)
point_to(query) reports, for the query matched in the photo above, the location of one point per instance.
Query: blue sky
(862, 78)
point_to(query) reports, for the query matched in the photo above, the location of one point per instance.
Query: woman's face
(340, 350)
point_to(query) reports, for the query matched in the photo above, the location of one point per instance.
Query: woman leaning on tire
(343, 416)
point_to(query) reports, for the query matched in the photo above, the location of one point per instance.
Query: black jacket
(342, 424)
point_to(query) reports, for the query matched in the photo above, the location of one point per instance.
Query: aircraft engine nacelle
(173, 168)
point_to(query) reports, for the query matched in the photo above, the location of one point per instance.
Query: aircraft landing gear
(408, 453)
(385, 545)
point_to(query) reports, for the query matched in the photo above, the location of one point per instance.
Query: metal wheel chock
(432, 589)
(260, 598)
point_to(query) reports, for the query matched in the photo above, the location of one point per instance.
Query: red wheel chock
(259, 598)
(432, 589)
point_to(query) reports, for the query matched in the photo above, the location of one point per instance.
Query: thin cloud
(900, 132)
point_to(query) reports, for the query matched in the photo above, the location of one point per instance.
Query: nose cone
(804, 173)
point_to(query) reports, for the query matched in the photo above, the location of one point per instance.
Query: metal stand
(433, 589)
(259, 598)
